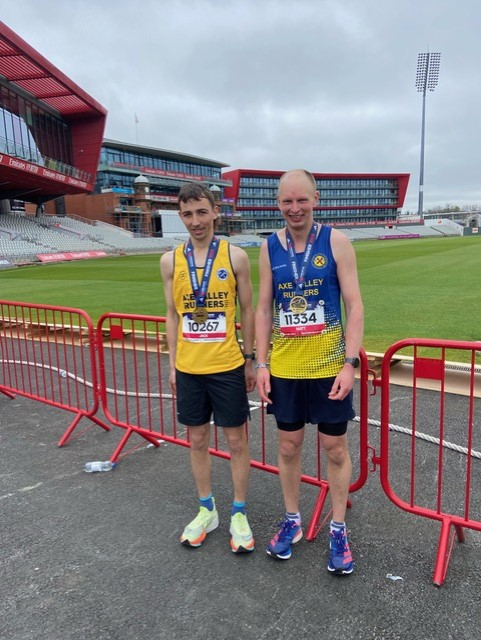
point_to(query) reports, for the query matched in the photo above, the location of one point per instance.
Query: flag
(136, 120)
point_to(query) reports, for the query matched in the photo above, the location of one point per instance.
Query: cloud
(323, 84)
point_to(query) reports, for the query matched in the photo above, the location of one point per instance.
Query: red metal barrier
(135, 391)
(437, 485)
(48, 354)
(52, 354)
(134, 370)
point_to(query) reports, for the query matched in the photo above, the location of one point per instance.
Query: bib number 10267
(210, 325)
(213, 329)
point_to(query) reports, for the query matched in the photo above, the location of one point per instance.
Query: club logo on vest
(222, 274)
(319, 261)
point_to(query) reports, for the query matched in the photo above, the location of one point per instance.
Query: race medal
(298, 304)
(200, 314)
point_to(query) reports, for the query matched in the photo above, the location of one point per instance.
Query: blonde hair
(299, 172)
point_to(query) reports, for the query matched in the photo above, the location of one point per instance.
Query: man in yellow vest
(209, 373)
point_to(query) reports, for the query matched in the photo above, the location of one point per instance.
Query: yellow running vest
(210, 346)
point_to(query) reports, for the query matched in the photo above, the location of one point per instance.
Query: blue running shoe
(340, 557)
(280, 546)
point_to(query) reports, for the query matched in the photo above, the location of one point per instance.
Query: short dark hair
(195, 191)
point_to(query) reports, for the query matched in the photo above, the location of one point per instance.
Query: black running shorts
(301, 401)
(221, 395)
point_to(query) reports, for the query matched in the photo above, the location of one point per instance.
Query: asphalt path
(97, 556)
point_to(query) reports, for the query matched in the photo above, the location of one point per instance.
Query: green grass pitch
(427, 287)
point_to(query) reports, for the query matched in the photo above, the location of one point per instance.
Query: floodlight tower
(427, 76)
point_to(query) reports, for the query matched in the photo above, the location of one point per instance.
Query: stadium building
(345, 199)
(53, 155)
(51, 130)
(136, 184)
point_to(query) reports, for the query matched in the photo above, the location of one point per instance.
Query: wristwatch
(249, 356)
(352, 361)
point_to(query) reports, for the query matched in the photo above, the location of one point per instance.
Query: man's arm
(354, 310)
(242, 270)
(264, 316)
(172, 318)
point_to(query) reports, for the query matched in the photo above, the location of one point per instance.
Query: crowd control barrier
(47, 354)
(136, 396)
(449, 490)
(55, 355)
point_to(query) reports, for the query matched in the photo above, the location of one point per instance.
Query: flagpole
(136, 122)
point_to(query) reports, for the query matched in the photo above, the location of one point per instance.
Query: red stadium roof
(28, 72)
(28, 69)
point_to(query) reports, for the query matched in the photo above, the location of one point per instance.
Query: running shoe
(241, 535)
(197, 530)
(340, 557)
(280, 546)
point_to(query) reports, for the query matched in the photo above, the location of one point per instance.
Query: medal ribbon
(201, 292)
(300, 278)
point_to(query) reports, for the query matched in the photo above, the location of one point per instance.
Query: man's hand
(264, 384)
(250, 376)
(343, 383)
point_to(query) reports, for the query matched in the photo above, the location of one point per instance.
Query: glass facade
(119, 167)
(30, 132)
(266, 219)
(343, 200)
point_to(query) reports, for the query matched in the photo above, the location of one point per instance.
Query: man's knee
(336, 450)
(289, 448)
(236, 440)
(199, 438)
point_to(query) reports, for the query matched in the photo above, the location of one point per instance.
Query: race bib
(211, 330)
(305, 323)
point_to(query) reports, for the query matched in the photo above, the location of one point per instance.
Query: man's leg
(241, 540)
(236, 438)
(289, 460)
(207, 519)
(339, 471)
(200, 460)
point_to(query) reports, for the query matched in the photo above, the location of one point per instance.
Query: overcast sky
(327, 85)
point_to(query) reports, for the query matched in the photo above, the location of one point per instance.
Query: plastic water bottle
(99, 465)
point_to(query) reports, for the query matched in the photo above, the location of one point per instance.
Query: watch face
(353, 361)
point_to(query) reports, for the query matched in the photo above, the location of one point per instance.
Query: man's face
(198, 217)
(297, 199)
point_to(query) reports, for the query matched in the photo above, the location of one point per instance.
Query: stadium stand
(423, 231)
(245, 240)
(361, 234)
(445, 230)
(23, 237)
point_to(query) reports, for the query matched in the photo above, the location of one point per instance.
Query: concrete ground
(97, 556)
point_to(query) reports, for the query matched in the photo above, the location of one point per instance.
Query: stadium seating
(23, 237)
